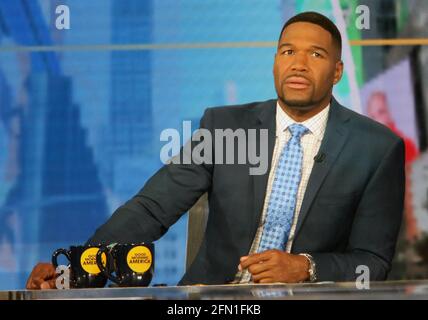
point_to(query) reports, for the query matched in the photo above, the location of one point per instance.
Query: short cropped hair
(319, 20)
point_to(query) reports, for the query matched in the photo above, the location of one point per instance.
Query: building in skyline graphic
(72, 201)
(132, 155)
(56, 197)
(130, 99)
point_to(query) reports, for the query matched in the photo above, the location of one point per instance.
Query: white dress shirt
(310, 143)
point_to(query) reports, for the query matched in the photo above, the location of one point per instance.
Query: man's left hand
(276, 266)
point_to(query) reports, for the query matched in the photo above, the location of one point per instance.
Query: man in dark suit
(330, 201)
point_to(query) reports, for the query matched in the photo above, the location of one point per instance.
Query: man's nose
(299, 63)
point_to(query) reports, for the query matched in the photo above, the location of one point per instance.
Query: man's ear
(338, 72)
(273, 64)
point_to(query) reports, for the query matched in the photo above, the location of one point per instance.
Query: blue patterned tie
(282, 202)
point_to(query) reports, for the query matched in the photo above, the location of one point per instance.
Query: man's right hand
(43, 276)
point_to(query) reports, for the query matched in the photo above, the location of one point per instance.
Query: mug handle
(59, 252)
(106, 270)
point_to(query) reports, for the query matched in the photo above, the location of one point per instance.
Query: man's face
(307, 65)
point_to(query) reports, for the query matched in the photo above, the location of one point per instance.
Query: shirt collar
(316, 124)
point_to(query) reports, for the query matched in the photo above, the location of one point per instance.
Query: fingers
(260, 267)
(258, 278)
(45, 270)
(247, 261)
(50, 284)
(42, 272)
(241, 260)
(267, 280)
(41, 283)
(30, 285)
(251, 259)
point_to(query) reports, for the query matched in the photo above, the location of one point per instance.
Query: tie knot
(297, 130)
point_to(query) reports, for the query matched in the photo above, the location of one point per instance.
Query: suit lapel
(334, 139)
(265, 119)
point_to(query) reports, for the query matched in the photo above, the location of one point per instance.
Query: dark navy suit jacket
(350, 215)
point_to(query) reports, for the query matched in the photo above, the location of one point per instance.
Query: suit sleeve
(376, 225)
(166, 196)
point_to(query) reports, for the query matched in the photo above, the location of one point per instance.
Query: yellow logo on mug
(88, 260)
(139, 259)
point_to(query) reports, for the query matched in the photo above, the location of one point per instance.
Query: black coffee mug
(133, 264)
(84, 270)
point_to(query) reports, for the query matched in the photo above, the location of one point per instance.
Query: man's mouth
(298, 83)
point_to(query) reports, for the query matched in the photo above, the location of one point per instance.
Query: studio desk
(415, 289)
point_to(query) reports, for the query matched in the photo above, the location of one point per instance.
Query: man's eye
(316, 55)
(287, 52)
